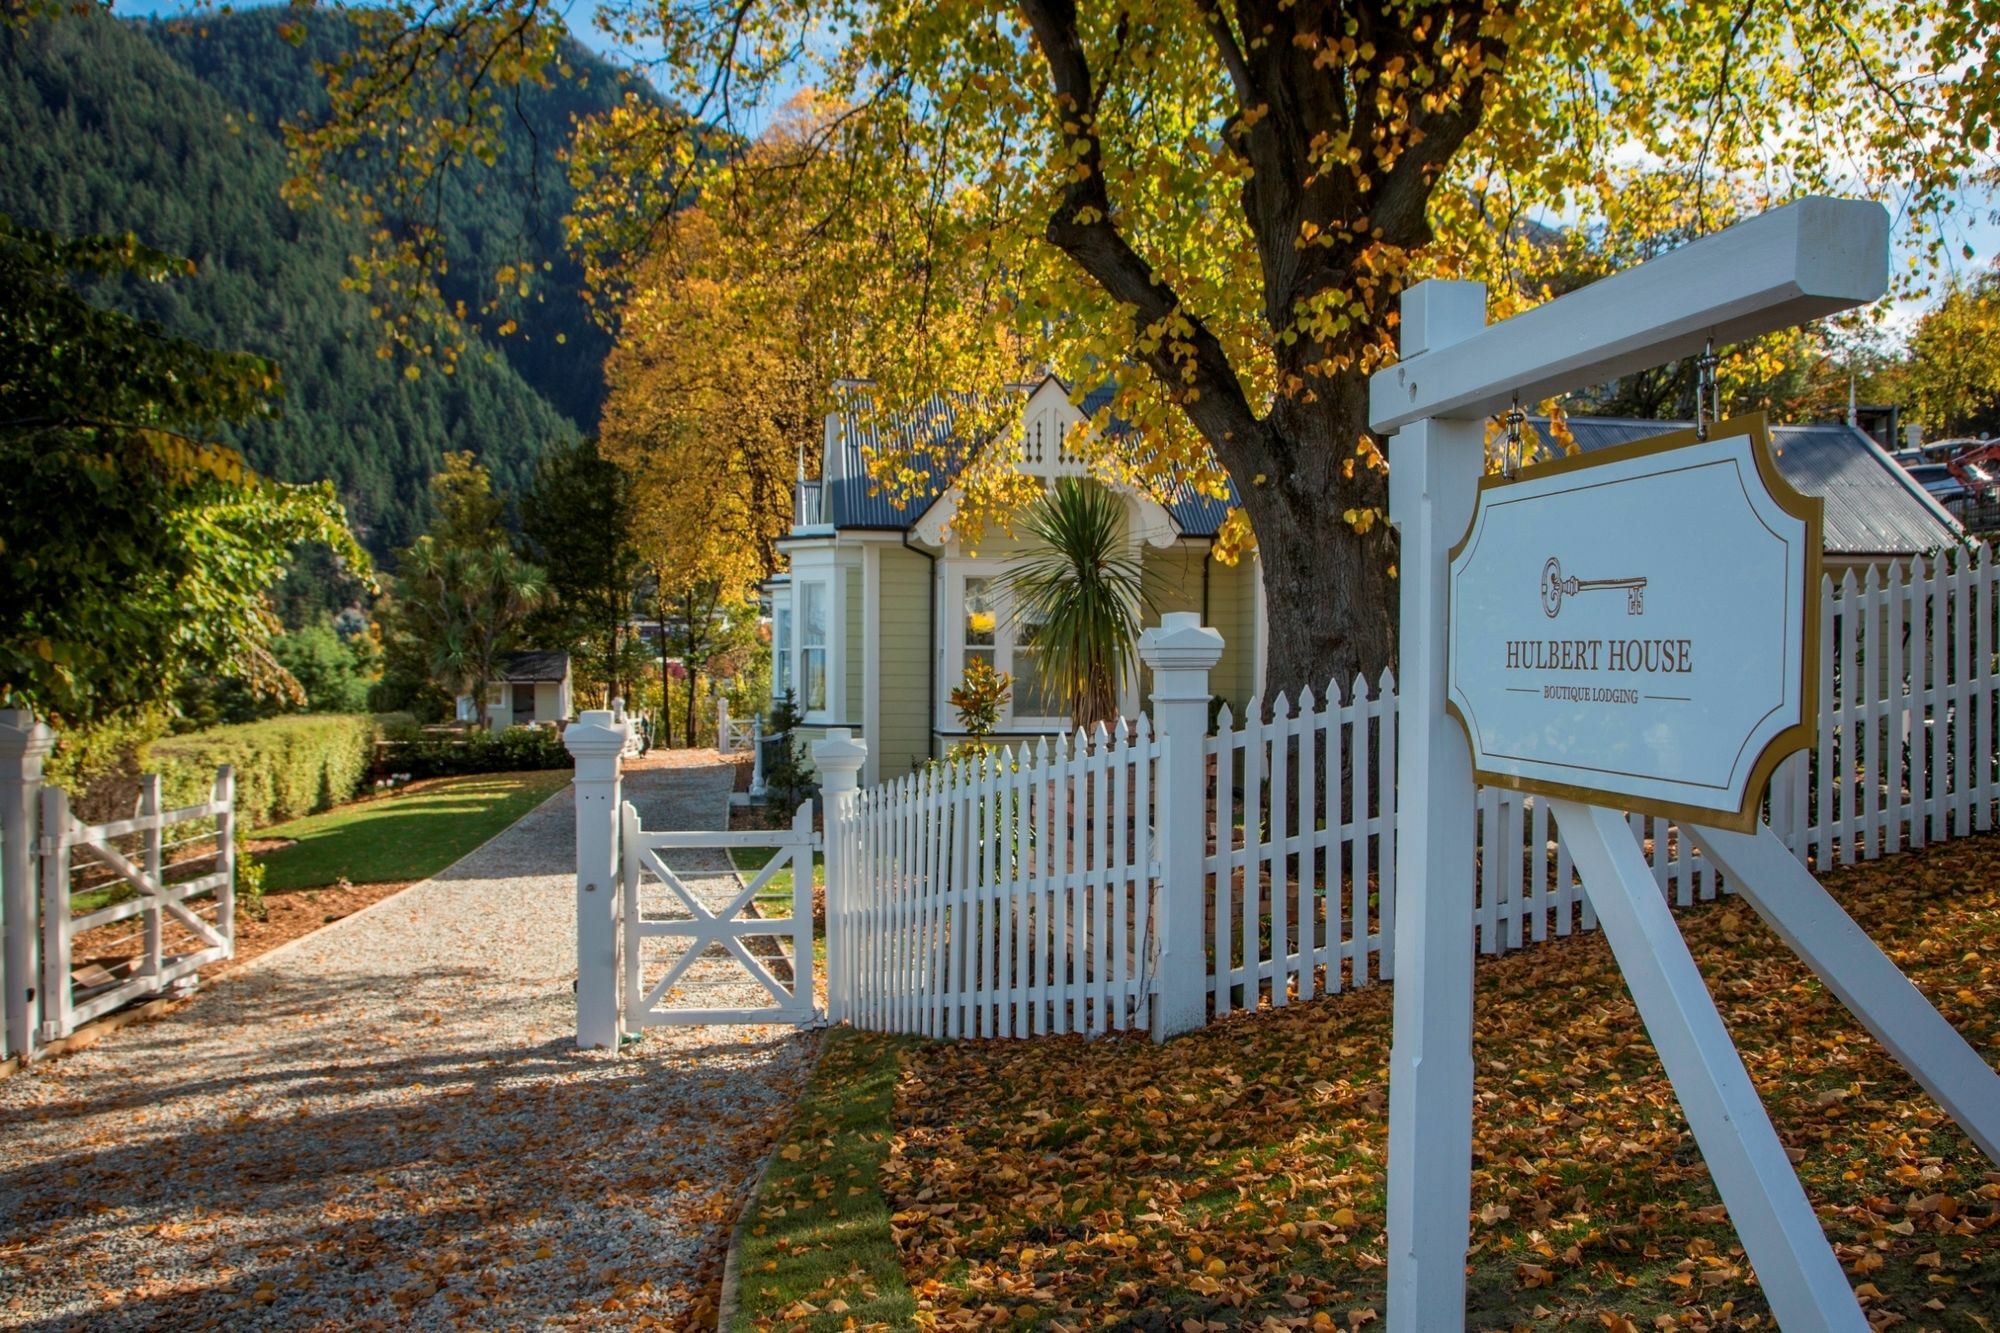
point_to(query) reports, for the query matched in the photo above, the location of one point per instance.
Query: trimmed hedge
(285, 766)
(440, 755)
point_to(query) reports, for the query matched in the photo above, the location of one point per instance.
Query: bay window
(812, 627)
(781, 651)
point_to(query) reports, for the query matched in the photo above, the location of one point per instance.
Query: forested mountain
(170, 131)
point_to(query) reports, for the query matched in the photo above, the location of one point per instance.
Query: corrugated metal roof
(534, 664)
(930, 431)
(1873, 508)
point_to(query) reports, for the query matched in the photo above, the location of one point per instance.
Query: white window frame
(1006, 638)
(804, 589)
(781, 647)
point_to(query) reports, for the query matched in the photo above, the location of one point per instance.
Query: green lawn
(410, 835)
(817, 1249)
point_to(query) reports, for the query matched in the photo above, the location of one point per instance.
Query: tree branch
(1200, 379)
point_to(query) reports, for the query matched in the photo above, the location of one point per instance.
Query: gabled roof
(1873, 507)
(533, 665)
(931, 431)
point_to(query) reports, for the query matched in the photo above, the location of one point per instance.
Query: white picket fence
(1301, 891)
(1025, 893)
(1003, 895)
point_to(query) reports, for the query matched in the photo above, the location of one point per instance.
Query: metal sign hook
(1707, 395)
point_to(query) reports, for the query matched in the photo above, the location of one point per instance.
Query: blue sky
(1976, 226)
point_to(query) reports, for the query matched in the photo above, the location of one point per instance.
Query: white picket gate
(182, 924)
(688, 950)
(733, 735)
(1004, 895)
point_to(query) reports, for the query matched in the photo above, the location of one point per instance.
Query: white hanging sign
(1637, 627)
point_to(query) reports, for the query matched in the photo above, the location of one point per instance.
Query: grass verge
(410, 835)
(749, 860)
(817, 1250)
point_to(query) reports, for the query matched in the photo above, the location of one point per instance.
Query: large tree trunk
(1333, 240)
(1329, 598)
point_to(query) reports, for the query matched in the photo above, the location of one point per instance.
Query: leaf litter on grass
(1234, 1177)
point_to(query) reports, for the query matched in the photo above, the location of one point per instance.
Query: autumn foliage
(1234, 1178)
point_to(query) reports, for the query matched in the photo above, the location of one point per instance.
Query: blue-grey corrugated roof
(930, 434)
(1873, 508)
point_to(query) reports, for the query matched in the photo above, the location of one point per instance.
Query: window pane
(812, 664)
(1034, 696)
(980, 620)
(781, 652)
(812, 629)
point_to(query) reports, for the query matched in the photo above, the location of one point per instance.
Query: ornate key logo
(1555, 587)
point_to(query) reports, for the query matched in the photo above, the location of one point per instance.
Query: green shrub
(285, 766)
(249, 884)
(436, 755)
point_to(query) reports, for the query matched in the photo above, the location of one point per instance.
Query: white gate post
(1434, 469)
(757, 757)
(24, 744)
(1181, 651)
(722, 723)
(839, 759)
(597, 740)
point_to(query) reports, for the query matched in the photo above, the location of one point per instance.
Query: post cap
(21, 735)
(839, 753)
(596, 731)
(1180, 642)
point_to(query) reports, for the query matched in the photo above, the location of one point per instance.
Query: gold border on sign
(1799, 736)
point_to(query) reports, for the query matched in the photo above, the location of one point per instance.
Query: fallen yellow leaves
(1234, 1178)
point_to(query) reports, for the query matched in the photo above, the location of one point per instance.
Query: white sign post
(1560, 568)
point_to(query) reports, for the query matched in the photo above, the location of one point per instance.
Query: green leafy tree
(1077, 595)
(335, 672)
(577, 518)
(138, 551)
(463, 596)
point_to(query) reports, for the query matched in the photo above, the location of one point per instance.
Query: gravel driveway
(389, 1125)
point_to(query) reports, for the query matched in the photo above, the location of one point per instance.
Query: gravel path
(389, 1125)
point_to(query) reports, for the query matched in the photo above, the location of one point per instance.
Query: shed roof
(534, 665)
(931, 431)
(1873, 507)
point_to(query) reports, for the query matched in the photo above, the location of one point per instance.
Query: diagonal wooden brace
(1805, 916)
(1795, 1265)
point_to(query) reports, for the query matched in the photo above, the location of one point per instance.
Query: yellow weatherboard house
(883, 606)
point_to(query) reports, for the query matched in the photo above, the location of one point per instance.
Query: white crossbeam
(1774, 271)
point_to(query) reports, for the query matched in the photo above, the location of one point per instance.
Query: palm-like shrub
(466, 605)
(1077, 596)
